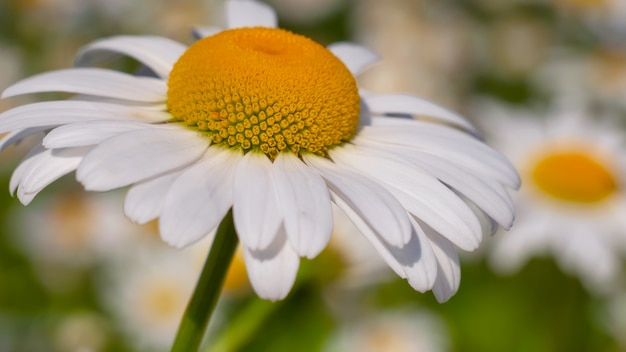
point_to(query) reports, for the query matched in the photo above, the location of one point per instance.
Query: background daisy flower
(573, 197)
(399, 330)
(146, 293)
(273, 125)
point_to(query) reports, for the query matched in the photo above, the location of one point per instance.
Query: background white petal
(245, 13)
(356, 58)
(305, 203)
(202, 32)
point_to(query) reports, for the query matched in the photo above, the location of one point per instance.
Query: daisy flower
(605, 17)
(399, 330)
(273, 125)
(432, 73)
(147, 294)
(598, 74)
(75, 229)
(573, 200)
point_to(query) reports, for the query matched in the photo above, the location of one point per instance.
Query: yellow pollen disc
(574, 177)
(265, 89)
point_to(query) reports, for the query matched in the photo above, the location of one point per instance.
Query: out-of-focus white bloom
(76, 228)
(573, 201)
(518, 44)
(305, 11)
(599, 75)
(616, 322)
(148, 290)
(435, 52)
(81, 332)
(407, 330)
(159, 16)
(606, 17)
(10, 69)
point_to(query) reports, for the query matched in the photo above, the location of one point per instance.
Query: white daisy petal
(486, 193)
(245, 13)
(272, 271)
(158, 53)
(199, 198)
(490, 197)
(355, 57)
(53, 113)
(88, 133)
(49, 166)
(421, 274)
(93, 81)
(130, 157)
(445, 142)
(375, 205)
(414, 262)
(381, 247)
(256, 212)
(305, 203)
(415, 106)
(30, 158)
(420, 194)
(449, 269)
(15, 137)
(144, 200)
(202, 32)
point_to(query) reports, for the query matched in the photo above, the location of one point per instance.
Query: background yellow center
(267, 89)
(574, 177)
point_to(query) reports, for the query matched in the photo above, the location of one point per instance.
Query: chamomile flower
(147, 294)
(605, 17)
(274, 126)
(405, 330)
(573, 200)
(598, 75)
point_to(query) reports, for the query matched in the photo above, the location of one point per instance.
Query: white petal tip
(246, 13)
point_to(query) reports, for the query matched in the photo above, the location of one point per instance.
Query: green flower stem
(243, 326)
(196, 318)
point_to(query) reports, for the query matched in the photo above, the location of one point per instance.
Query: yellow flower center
(265, 89)
(574, 177)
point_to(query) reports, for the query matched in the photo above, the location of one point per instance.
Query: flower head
(274, 126)
(572, 203)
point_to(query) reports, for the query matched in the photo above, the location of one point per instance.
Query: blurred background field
(538, 77)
